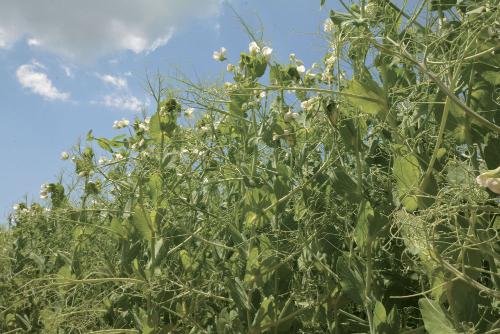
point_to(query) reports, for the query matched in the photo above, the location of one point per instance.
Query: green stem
(439, 142)
(368, 286)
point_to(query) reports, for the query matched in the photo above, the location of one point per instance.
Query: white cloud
(125, 102)
(33, 42)
(85, 30)
(6, 37)
(118, 82)
(31, 77)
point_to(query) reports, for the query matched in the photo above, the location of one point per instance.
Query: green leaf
(238, 293)
(435, 321)
(365, 218)
(155, 187)
(238, 98)
(369, 224)
(492, 152)
(266, 313)
(367, 96)
(379, 314)
(407, 172)
(393, 321)
(104, 144)
(351, 279)
(155, 128)
(464, 301)
(345, 186)
(493, 77)
(186, 260)
(459, 174)
(117, 228)
(140, 220)
(339, 18)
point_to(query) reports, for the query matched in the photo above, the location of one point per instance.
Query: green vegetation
(340, 198)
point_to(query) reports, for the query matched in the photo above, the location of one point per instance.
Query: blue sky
(72, 66)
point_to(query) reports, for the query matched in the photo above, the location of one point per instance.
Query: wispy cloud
(30, 76)
(124, 102)
(115, 81)
(68, 71)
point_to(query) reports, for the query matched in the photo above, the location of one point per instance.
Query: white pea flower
(44, 191)
(308, 105)
(331, 60)
(490, 179)
(304, 104)
(220, 55)
(64, 156)
(117, 156)
(230, 67)
(228, 85)
(301, 69)
(253, 48)
(102, 160)
(144, 126)
(494, 185)
(188, 113)
(328, 25)
(290, 115)
(266, 52)
(262, 94)
(147, 120)
(121, 123)
(292, 57)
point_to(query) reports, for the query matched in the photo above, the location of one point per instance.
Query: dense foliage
(340, 198)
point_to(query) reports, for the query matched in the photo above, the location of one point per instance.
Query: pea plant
(358, 194)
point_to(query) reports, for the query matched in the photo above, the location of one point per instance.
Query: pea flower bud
(220, 55)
